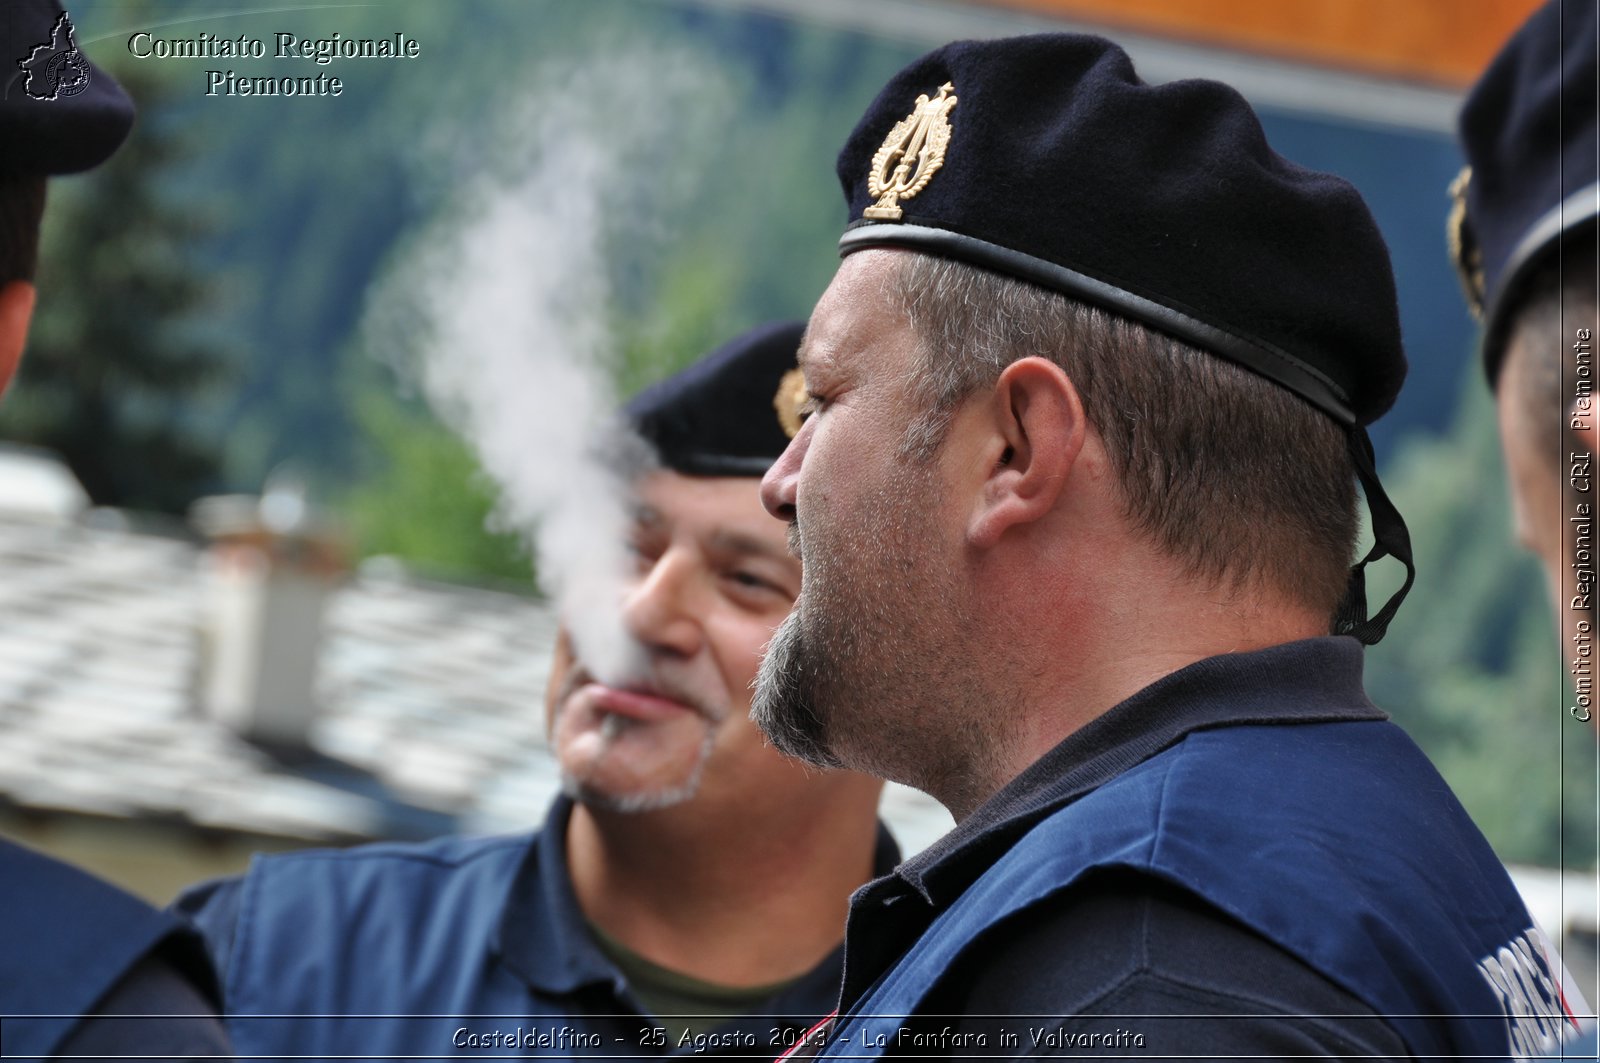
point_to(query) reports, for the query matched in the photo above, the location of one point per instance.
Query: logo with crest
(55, 69)
(911, 154)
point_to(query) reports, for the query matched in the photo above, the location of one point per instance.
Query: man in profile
(1076, 502)
(1523, 236)
(693, 882)
(85, 969)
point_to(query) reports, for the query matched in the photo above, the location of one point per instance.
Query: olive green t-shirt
(680, 1003)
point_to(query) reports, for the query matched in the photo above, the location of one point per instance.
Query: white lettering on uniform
(1536, 1015)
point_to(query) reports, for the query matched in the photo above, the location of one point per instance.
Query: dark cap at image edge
(59, 113)
(1530, 130)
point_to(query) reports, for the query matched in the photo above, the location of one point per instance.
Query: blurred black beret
(731, 413)
(59, 113)
(1529, 130)
(1162, 203)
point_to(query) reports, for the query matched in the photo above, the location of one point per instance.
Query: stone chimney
(272, 566)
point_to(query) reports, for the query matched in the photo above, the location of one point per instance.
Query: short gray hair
(1237, 477)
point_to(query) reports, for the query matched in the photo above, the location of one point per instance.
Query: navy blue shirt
(538, 939)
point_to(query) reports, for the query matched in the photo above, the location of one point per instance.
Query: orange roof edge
(1446, 42)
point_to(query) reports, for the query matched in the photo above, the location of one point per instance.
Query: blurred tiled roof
(430, 712)
(430, 700)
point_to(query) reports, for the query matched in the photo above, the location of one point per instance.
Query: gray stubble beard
(873, 678)
(579, 790)
(784, 705)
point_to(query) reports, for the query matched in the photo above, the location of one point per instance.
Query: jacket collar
(543, 937)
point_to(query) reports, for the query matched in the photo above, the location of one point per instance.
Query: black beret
(1529, 129)
(1162, 203)
(59, 113)
(731, 413)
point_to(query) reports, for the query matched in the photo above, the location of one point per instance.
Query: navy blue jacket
(75, 947)
(418, 949)
(1324, 847)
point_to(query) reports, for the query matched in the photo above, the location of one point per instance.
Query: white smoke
(502, 311)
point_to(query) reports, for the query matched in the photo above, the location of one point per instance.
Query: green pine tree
(118, 362)
(425, 501)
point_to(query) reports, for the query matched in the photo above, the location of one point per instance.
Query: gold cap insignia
(789, 400)
(1465, 254)
(911, 154)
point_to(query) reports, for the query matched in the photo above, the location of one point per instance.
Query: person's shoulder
(1136, 924)
(448, 852)
(1121, 942)
(381, 875)
(45, 893)
(49, 876)
(215, 903)
(80, 949)
(379, 894)
(1342, 775)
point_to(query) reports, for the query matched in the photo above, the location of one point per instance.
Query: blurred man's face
(713, 578)
(1543, 495)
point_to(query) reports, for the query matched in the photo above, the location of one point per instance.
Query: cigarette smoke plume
(502, 311)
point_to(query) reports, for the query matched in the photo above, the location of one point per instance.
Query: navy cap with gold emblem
(1046, 158)
(733, 412)
(59, 113)
(1529, 129)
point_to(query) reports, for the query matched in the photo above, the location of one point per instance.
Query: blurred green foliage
(425, 500)
(320, 192)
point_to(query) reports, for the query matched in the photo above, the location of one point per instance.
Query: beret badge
(789, 401)
(911, 154)
(1464, 251)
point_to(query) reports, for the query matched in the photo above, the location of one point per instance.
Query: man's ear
(16, 310)
(1038, 432)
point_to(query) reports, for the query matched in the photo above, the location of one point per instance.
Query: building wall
(1446, 42)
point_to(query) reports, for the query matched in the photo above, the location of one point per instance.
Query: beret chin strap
(1390, 539)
